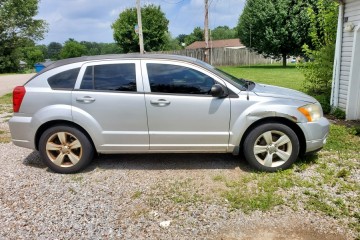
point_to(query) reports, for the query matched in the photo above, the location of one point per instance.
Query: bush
(338, 113)
(324, 100)
(318, 72)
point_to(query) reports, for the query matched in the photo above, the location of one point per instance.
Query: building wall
(352, 13)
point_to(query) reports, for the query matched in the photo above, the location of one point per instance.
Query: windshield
(238, 82)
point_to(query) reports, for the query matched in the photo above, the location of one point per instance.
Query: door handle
(86, 99)
(160, 102)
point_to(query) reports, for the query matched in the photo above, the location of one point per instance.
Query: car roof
(67, 61)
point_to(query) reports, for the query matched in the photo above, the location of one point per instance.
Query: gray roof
(120, 56)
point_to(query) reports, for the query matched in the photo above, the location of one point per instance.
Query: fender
(91, 126)
(252, 112)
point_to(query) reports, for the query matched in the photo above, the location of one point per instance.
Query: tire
(271, 147)
(65, 149)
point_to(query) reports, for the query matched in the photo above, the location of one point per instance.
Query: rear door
(109, 101)
(182, 115)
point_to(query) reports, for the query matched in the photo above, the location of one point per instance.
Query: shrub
(338, 113)
(324, 100)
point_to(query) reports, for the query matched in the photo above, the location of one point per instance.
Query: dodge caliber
(112, 104)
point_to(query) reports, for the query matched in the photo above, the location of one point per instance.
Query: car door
(108, 100)
(182, 115)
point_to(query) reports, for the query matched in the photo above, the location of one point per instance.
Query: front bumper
(315, 133)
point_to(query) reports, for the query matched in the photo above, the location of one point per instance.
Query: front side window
(166, 78)
(64, 80)
(110, 77)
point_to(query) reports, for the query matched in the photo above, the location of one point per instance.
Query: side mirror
(217, 91)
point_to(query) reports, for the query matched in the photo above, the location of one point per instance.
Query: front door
(182, 115)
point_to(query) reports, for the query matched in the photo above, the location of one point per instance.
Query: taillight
(18, 95)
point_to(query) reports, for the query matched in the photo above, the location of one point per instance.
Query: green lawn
(289, 77)
(6, 99)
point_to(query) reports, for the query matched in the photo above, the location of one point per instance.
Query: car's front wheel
(271, 147)
(65, 149)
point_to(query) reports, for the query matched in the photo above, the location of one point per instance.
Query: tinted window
(168, 78)
(113, 77)
(87, 81)
(64, 80)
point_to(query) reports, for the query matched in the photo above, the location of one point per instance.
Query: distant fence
(225, 56)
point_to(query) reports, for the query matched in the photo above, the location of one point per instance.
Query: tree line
(274, 28)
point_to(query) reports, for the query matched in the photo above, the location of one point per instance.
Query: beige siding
(352, 12)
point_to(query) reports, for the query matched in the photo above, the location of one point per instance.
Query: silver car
(159, 104)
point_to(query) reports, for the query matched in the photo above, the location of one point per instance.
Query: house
(346, 76)
(224, 43)
(22, 64)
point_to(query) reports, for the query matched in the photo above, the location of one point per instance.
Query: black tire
(65, 149)
(277, 147)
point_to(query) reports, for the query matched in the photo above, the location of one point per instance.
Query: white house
(346, 77)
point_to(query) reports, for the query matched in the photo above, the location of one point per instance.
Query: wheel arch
(299, 133)
(53, 123)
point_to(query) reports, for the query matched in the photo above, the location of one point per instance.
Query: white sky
(90, 20)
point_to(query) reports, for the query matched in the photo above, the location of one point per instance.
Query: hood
(280, 92)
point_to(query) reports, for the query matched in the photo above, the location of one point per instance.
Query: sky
(91, 20)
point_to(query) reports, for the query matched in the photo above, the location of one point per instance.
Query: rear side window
(110, 77)
(64, 80)
(167, 78)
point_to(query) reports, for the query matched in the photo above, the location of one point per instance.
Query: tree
(110, 48)
(155, 28)
(72, 49)
(318, 71)
(17, 29)
(32, 55)
(53, 50)
(223, 32)
(172, 43)
(196, 35)
(181, 38)
(43, 49)
(275, 28)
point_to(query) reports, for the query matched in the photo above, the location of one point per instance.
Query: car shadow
(174, 161)
(34, 160)
(164, 161)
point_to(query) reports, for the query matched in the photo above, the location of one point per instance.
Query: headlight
(312, 112)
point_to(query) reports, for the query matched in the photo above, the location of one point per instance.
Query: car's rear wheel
(271, 147)
(65, 149)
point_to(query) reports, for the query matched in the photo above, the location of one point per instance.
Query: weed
(71, 190)
(343, 173)
(77, 178)
(219, 178)
(136, 195)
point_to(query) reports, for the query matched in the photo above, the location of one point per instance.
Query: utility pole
(206, 31)
(141, 40)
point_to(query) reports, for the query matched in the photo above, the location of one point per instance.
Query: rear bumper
(315, 133)
(22, 131)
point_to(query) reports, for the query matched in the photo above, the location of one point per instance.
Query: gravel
(139, 196)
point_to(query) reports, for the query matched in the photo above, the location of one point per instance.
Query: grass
(6, 99)
(332, 188)
(6, 103)
(289, 77)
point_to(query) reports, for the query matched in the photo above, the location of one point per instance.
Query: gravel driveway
(168, 196)
(159, 196)
(8, 82)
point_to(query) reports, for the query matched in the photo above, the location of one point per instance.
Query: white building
(346, 78)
